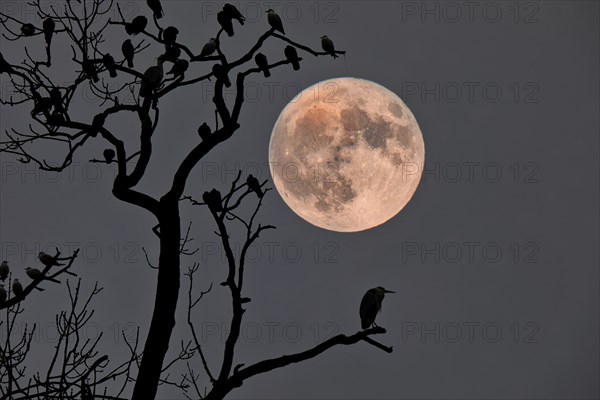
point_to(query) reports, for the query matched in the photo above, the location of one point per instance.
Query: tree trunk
(165, 305)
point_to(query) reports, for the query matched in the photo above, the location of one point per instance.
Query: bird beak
(388, 291)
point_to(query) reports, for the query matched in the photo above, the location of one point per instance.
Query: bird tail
(130, 63)
(267, 72)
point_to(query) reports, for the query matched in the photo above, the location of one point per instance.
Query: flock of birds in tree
(153, 77)
(35, 274)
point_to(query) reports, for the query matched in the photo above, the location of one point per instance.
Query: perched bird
(17, 288)
(48, 260)
(254, 185)
(327, 45)
(179, 67)
(172, 53)
(219, 73)
(371, 305)
(234, 13)
(209, 48)
(170, 35)
(3, 294)
(152, 77)
(263, 64)
(204, 131)
(42, 105)
(90, 70)
(225, 21)
(109, 63)
(48, 25)
(109, 155)
(292, 56)
(4, 270)
(5, 66)
(28, 29)
(274, 20)
(57, 100)
(137, 25)
(37, 275)
(128, 52)
(156, 8)
(213, 200)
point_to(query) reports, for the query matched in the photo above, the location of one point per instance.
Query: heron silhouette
(371, 305)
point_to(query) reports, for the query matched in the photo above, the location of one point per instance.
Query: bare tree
(84, 26)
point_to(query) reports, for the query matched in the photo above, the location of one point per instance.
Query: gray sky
(495, 259)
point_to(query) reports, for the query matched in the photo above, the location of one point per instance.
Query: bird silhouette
(254, 185)
(4, 270)
(109, 155)
(5, 66)
(204, 131)
(17, 288)
(371, 305)
(292, 56)
(225, 21)
(90, 70)
(137, 25)
(263, 64)
(156, 8)
(220, 73)
(209, 48)
(48, 260)
(213, 200)
(37, 275)
(152, 78)
(48, 26)
(57, 100)
(327, 45)
(27, 30)
(275, 21)
(128, 52)
(170, 35)
(3, 294)
(234, 13)
(109, 63)
(42, 105)
(179, 67)
(172, 53)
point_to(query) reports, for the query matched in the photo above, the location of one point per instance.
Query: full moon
(346, 154)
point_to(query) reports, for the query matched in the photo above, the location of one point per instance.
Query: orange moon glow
(346, 154)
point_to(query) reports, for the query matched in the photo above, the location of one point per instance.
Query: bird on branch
(275, 20)
(156, 8)
(48, 260)
(152, 77)
(292, 56)
(327, 45)
(219, 73)
(137, 25)
(57, 100)
(42, 105)
(109, 63)
(213, 200)
(27, 29)
(3, 294)
(17, 288)
(233, 13)
(109, 155)
(170, 35)
(128, 52)
(48, 26)
(254, 185)
(179, 68)
(209, 48)
(37, 275)
(225, 21)
(90, 70)
(371, 305)
(4, 270)
(263, 64)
